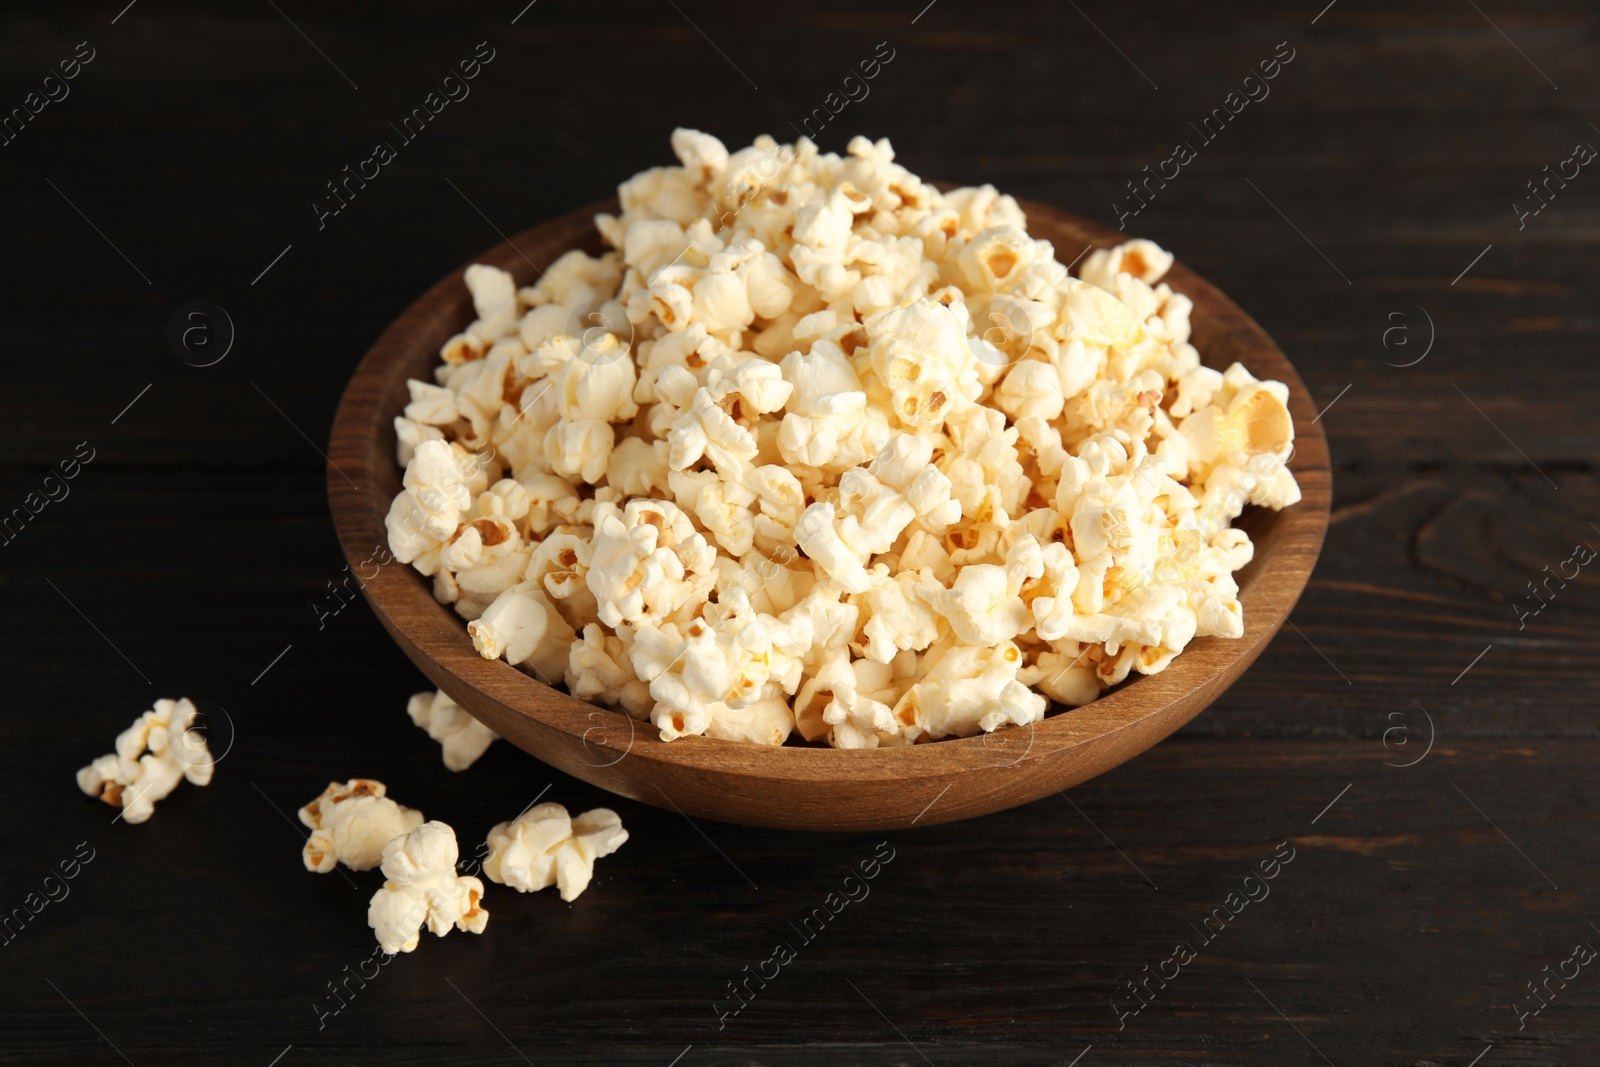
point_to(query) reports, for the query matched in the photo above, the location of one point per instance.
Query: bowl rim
(1123, 721)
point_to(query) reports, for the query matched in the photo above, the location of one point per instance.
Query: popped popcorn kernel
(421, 888)
(160, 750)
(544, 846)
(350, 823)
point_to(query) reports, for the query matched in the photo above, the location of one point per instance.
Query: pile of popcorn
(816, 448)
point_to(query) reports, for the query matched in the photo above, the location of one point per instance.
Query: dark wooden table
(1427, 755)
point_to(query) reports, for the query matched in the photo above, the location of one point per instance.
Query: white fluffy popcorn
(544, 846)
(461, 737)
(351, 822)
(817, 449)
(647, 562)
(421, 887)
(152, 756)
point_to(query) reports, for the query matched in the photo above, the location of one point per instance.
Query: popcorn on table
(544, 846)
(152, 756)
(848, 457)
(421, 887)
(462, 738)
(351, 823)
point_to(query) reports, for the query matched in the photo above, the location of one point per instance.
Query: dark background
(192, 549)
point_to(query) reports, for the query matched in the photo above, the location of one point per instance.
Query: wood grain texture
(198, 545)
(797, 786)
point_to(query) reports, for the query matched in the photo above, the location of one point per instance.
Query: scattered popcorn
(462, 737)
(152, 756)
(545, 847)
(815, 448)
(350, 824)
(421, 887)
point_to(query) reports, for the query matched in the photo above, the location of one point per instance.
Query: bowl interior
(806, 787)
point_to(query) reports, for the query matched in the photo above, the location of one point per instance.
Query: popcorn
(1095, 317)
(731, 658)
(967, 689)
(431, 405)
(821, 539)
(576, 278)
(152, 756)
(1245, 418)
(637, 467)
(351, 823)
(598, 668)
(598, 383)
(700, 153)
(647, 562)
(408, 434)
(817, 448)
(551, 502)
(579, 448)
(462, 738)
(1031, 389)
(1144, 260)
(984, 605)
(924, 357)
(494, 297)
(897, 614)
(525, 629)
(768, 721)
(1058, 675)
(421, 887)
(486, 556)
(997, 257)
(850, 703)
(545, 847)
(560, 565)
(1052, 605)
(462, 348)
(827, 422)
(424, 517)
(510, 628)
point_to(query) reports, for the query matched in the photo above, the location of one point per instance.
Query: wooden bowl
(804, 787)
